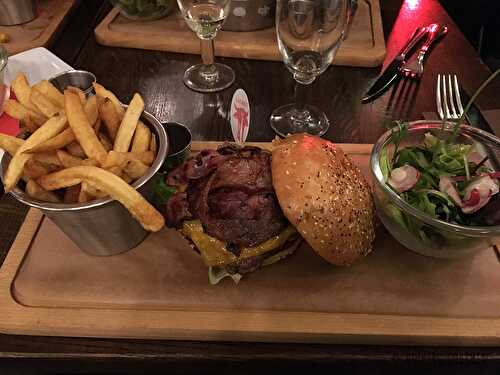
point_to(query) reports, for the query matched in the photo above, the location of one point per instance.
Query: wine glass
(205, 18)
(309, 34)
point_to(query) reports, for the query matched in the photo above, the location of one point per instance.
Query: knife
(392, 71)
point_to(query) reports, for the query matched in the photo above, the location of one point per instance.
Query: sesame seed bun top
(325, 196)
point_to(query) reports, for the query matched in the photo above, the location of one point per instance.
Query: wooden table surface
(158, 77)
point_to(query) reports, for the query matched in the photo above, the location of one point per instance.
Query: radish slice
(478, 194)
(404, 178)
(475, 157)
(447, 186)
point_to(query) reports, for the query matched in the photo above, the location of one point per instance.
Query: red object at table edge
(9, 125)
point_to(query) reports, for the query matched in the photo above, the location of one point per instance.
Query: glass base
(209, 78)
(290, 120)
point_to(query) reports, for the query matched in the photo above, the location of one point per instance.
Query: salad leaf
(430, 141)
(216, 274)
(161, 191)
(396, 214)
(398, 133)
(385, 164)
(412, 156)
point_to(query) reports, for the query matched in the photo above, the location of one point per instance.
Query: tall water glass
(205, 18)
(309, 34)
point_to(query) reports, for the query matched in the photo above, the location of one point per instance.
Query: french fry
(71, 194)
(108, 146)
(92, 191)
(83, 196)
(135, 169)
(128, 124)
(97, 125)
(116, 171)
(153, 146)
(45, 106)
(75, 149)
(79, 92)
(15, 169)
(34, 169)
(22, 89)
(146, 157)
(10, 143)
(61, 140)
(16, 110)
(114, 186)
(29, 125)
(36, 191)
(125, 177)
(68, 160)
(84, 132)
(142, 138)
(49, 90)
(114, 159)
(47, 158)
(103, 93)
(110, 117)
(120, 159)
(91, 109)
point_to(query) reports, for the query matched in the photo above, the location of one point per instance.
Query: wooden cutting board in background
(160, 290)
(363, 47)
(39, 32)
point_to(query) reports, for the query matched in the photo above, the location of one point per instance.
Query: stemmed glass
(309, 34)
(205, 18)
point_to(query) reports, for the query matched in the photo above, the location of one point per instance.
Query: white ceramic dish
(37, 63)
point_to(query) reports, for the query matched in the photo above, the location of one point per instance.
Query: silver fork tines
(448, 97)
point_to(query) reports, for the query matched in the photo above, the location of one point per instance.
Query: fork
(447, 96)
(414, 68)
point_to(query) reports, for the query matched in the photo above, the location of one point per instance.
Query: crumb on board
(4, 37)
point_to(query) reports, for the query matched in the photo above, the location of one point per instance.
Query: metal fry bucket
(102, 227)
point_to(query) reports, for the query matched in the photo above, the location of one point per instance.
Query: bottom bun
(325, 196)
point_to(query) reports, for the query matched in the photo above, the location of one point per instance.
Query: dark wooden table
(158, 77)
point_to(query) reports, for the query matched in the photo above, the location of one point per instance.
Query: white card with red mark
(240, 116)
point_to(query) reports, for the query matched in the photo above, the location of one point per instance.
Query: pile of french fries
(79, 149)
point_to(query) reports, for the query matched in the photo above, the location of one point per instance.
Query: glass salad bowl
(145, 10)
(415, 229)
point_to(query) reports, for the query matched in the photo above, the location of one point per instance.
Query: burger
(242, 207)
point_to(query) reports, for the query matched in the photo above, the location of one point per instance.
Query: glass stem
(209, 71)
(207, 51)
(300, 97)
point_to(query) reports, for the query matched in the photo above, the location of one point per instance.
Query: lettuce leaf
(161, 191)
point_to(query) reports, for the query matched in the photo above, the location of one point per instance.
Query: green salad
(447, 180)
(145, 8)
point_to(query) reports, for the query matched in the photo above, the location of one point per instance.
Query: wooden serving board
(39, 32)
(363, 47)
(160, 290)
